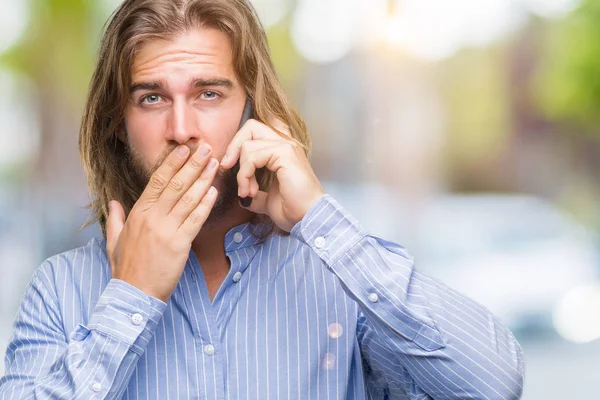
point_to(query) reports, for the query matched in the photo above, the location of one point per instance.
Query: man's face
(184, 91)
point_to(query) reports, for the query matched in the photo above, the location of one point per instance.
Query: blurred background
(466, 130)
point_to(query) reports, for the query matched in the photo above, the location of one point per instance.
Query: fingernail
(182, 151)
(204, 149)
(212, 163)
(224, 160)
(245, 201)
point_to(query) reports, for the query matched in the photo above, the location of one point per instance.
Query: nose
(183, 125)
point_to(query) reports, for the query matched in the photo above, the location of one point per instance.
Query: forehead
(200, 50)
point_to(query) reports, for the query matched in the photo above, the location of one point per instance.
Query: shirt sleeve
(92, 362)
(424, 339)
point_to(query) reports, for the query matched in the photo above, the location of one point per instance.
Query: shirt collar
(242, 236)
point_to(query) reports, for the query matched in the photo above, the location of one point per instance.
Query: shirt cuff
(126, 313)
(328, 229)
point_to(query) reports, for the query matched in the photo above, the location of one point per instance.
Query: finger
(162, 176)
(254, 187)
(114, 225)
(194, 222)
(259, 203)
(184, 178)
(190, 199)
(250, 161)
(248, 188)
(250, 146)
(252, 130)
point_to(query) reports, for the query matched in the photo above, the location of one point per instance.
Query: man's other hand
(149, 250)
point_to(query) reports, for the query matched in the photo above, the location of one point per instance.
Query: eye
(209, 95)
(150, 99)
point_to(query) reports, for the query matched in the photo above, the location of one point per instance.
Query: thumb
(114, 224)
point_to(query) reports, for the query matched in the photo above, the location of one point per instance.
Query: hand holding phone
(295, 187)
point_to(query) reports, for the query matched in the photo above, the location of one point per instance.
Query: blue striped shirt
(329, 312)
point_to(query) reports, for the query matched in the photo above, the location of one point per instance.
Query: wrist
(308, 205)
(147, 289)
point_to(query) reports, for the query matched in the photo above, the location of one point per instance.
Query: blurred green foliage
(476, 87)
(57, 51)
(568, 85)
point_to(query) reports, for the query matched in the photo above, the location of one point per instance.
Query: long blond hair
(134, 23)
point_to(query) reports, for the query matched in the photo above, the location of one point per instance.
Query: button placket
(237, 276)
(209, 350)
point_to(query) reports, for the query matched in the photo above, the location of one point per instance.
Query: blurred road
(558, 370)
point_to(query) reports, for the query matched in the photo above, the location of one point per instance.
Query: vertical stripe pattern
(329, 312)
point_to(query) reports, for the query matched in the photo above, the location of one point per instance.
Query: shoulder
(75, 269)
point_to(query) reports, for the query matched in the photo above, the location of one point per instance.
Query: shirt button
(209, 349)
(237, 237)
(320, 242)
(373, 298)
(237, 276)
(137, 319)
(96, 387)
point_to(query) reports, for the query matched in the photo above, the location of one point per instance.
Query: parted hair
(135, 22)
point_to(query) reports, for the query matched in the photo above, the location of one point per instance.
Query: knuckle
(172, 163)
(196, 164)
(157, 181)
(281, 127)
(176, 184)
(148, 225)
(297, 147)
(290, 147)
(178, 245)
(197, 216)
(162, 235)
(245, 146)
(188, 199)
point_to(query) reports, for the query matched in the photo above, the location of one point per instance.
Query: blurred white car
(517, 255)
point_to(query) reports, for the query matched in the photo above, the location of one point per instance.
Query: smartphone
(246, 115)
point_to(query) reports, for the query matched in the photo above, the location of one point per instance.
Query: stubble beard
(141, 175)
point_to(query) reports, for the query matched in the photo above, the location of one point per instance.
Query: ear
(121, 135)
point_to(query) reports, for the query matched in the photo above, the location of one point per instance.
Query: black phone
(246, 115)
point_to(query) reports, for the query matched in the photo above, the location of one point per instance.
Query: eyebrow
(226, 83)
(196, 83)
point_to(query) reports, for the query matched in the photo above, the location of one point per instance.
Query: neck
(209, 244)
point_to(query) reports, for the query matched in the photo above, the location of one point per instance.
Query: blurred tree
(568, 83)
(567, 90)
(476, 90)
(57, 54)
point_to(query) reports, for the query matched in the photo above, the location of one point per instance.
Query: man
(191, 294)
